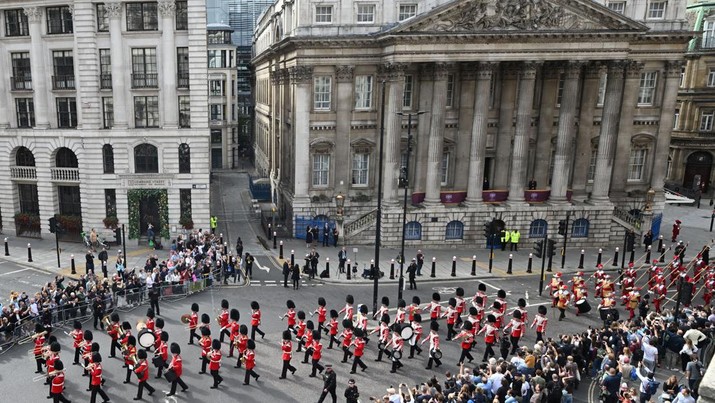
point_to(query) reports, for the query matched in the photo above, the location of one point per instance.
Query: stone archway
(697, 170)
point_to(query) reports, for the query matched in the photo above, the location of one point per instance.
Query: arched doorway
(697, 170)
(495, 228)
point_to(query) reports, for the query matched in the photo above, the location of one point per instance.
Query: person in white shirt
(495, 379)
(650, 356)
(684, 397)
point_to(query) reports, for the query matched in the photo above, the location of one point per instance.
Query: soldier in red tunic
(113, 332)
(193, 322)
(490, 336)
(96, 381)
(223, 320)
(308, 340)
(177, 367)
(435, 354)
(451, 314)
(540, 321)
(287, 354)
(256, 320)
(416, 324)
(434, 307)
(359, 343)
(397, 343)
(316, 348)
(142, 371)
(414, 308)
(383, 331)
(130, 356)
(39, 341)
(517, 330)
(163, 352)
(300, 330)
(290, 314)
(333, 328)
(467, 339)
(660, 291)
(347, 336)
(241, 343)
(77, 337)
(250, 358)
(401, 313)
(384, 308)
(461, 305)
(205, 343)
(158, 331)
(233, 328)
(348, 308)
(322, 313)
(58, 384)
(149, 319)
(481, 293)
(214, 357)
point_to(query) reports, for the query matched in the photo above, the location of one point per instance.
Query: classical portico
(566, 92)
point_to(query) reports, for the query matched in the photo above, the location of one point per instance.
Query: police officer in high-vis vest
(213, 222)
(514, 238)
(505, 235)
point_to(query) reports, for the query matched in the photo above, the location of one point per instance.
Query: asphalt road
(16, 277)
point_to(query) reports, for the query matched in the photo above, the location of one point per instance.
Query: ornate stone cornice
(301, 74)
(552, 71)
(634, 69)
(468, 71)
(344, 74)
(673, 68)
(486, 70)
(426, 72)
(275, 76)
(593, 70)
(528, 70)
(441, 71)
(616, 69)
(113, 9)
(573, 69)
(34, 14)
(167, 8)
(392, 71)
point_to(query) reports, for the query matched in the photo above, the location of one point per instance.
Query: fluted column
(507, 98)
(167, 9)
(37, 67)
(302, 78)
(629, 101)
(119, 94)
(520, 150)
(567, 132)
(436, 136)
(584, 145)
(665, 127)
(609, 132)
(344, 75)
(394, 74)
(479, 132)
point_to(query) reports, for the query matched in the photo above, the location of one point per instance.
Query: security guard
(505, 237)
(514, 238)
(213, 222)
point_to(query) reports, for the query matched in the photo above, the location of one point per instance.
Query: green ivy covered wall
(134, 197)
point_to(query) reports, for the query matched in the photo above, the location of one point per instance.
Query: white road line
(271, 285)
(14, 271)
(255, 285)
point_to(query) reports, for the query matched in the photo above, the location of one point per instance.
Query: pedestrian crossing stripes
(273, 283)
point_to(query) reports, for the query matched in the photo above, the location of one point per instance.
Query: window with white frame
(363, 92)
(681, 84)
(321, 93)
(406, 11)
(560, 90)
(617, 6)
(676, 119)
(592, 164)
(323, 14)
(602, 89)
(636, 164)
(321, 169)
(711, 77)
(407, 92)
(361, 163)
(445, 169)
(706, 121)
(450, 90)
(646, 92)
(579, 229)
(656, 9)
(454, 230)
(708, 34)
(365, 13)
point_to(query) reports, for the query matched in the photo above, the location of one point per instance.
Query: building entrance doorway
(697, 171)
(149, 214)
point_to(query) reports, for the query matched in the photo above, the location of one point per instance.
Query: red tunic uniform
(451, 314)
(58, 383)
(322, 312)
(300, 331)
(287, 348)
(130, 351)
(540, 321)
(193, 321)
(205, 343)
(113, 331)
(50, 362)
(233, 328)
(400, 316)
(317, 350)
(333, 327)
(516, 326)
(359, 344)
(215, 360)
(349, 311)
(150, 324)
(434, 309)
(347, 337)
(177, 365)
(142, 370)
(291, 317)
(78, 337)
(411, 311)
(256, 317)
(157, 339)
(242, 341)
(39, 342)
(163, 351)
(223, 319)
(250, 359)
(417, 328)
(484, 299)
(96, 374)
(467, 339)
(490, 333)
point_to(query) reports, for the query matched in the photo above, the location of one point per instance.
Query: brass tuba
(141, 325)
(106, 321)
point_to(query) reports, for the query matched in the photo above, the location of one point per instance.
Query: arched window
(24, 157)
(184, 159)
(66, 158)
(455, 230)
(538, 229)
(108, 158)
(413, 231)
(580, 228)
(146, 159)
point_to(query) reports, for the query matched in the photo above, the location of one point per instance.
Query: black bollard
(434, 267)
(7, 248)
(647, 254)
(392, 269)
(615, 258)
(580, 260)
(600, 255)
(274, 240)
(632, 257)
(454, 266)
(269, 232)
(474, 265)
(280, 251)
(327, 266)
(372, 268)
(508, 268)
(660, 249)
(528, 265)
(74, 270)
(292, 258)
(29, 253)
(220, 239)
(349, 269)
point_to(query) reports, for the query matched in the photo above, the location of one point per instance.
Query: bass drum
(407, 332)
(146, 338)
(583, 306)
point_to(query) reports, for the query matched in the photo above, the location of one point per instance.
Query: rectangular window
(217, 112)
(144, 71)
(636, 164)
(323, 14)
(25, 110)
(102, 18)
(647, 88)
(360, 168)
(146, 112)
(711, 78)
(445, 169)
(407, 93)
(602, 81)
(182, 67)
(363, 92)
(450, 90)
(676, 119)
(184, 111)
(142, 17)
(21, 74)
(27, 195)
(216, 88)
(66, 113)
(682, 77)
(365, 13)
(105, 69)
(110, 202)
(656, 10)
(63, 62)
(592, 164)
(219, 59)
(108, 112)
(321, 169)
(59, 20)
(185, 202)
(706, 121)
(216, 136)
(708, 34)
(16, 23)
(617, 6)
(321, 93)
(560, 91)
(406, 11)
(182, 15)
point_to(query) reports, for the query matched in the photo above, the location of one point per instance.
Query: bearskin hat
(150, 313)
(251, 344)
(459, 291)
(542, 309)
(175, 348)
(194, 307)
(235, 315)
(416, 300)
(286, 335)
(255, 305)
(385, 301)
(243, 329)
(215, 344)
(141, 354)
(521, 303)
(349, 299)
(290, 304)
(321, 301)
(224, 304)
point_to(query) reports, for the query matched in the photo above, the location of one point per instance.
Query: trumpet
(38, 378)
(106, 321)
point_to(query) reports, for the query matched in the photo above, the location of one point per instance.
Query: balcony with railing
(65, 174)
(63, 82)
(22, 83)
(145, 81)
(183, 80)
(23, 173)
(105, 81)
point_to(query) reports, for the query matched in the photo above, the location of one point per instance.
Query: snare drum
(436, 354)
(583, 306)
(407, 332)
(146, 338)
(396, 355)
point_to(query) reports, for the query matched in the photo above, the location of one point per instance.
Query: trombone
(31, 337)
(38, 378)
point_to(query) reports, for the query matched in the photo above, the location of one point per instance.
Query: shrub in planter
(186, 222)
(69, 223)
(27, 219)
(111, 222)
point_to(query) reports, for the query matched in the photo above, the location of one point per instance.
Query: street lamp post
(404, 182)
(378, 221)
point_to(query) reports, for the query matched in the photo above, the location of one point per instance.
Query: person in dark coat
(329, 384)
(351, 392)
(308, 236)
(103, 258)
(412, 273)
(89, 267)
(286, 273)
(295, 276)
(326, 234)
(647, 240)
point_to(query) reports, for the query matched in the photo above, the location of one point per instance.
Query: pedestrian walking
(89, 265)
(329, 384)
(326, 234)
(412, 273)
(342, 258)
(103, 257)
(239, 247)
(249, 265)
(351, 392)
(295, 276)
(286, 273)
(308, 236)
(154, 298)
(420, 261)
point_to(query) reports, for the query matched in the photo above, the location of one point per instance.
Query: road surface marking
(14, 271)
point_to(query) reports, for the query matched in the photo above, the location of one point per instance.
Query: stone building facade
(534, 110)
(104, 119)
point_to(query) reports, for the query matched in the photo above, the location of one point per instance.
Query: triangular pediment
(482, 16)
